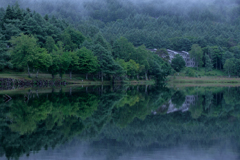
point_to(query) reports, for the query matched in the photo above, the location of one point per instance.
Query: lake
(120, 122)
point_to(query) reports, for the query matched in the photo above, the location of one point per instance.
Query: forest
(111, 37)
(30, 41)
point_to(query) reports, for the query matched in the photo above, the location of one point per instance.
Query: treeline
(31, 41)
(217, 57)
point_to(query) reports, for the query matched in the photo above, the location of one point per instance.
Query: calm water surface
(123, 122)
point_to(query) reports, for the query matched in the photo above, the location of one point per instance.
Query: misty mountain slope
(213, 25)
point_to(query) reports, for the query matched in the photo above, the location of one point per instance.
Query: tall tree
(23, 52)
(208, 63)
(178, 63)
(122, 49)
(197, 53)
(229, 66)
(74, 65)
(50, 44)
(163, 54)
(4, 54)
(42, 60)
(88, 63)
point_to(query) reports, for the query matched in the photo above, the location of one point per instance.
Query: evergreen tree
(4, 54)
(50, 44)
(208, 63)
(9, 14)
(123, 49)
(101, 41)
(163, 54)
(197, 53)
(229, 66)
(178, 63)
(106, 62)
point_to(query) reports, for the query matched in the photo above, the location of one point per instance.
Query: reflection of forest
(49, 120)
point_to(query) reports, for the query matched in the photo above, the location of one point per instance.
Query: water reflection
(137, 122)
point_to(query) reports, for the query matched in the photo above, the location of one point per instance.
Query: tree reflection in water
(121, 116)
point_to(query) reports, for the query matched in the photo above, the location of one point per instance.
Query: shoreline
(202, 80)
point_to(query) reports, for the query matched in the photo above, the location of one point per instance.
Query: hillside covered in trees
(112, 35)
(30, 41)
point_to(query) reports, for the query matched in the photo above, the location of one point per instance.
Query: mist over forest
(212, 26)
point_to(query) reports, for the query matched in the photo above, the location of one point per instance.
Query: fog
(86, 7)
(219, 151)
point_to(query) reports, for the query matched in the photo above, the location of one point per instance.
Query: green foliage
(4, 55)
(190, 72)
(123, 49)
(197, 54)
(61, 57)
(88, 63)
(163, 54)
(50, 44)
(24, 50)
(229, 66)
(178, 99)
(42, 60)
(178, 63)
(208, 63)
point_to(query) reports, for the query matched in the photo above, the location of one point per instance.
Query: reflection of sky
(223, 151)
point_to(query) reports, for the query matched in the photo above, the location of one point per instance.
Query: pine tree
(229, 66)
(197, 53)
(50, 44)
(106, 62)
(208, 63)
(101, 41)
(4, 55)
(123, 49)
(9, 14)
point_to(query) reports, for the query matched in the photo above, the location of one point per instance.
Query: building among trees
(186, 56)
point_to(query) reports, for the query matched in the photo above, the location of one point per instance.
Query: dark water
(108, 123)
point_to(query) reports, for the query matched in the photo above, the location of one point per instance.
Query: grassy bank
(76, 78)
(206, 79)
(194, 76)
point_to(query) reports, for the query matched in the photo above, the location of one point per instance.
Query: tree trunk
(52, 76)
(137, 76)
(146, 89)
(102, 77)
(146, 76)
(37, 73)
(86, 76)
(28, 71)
(113, 79)
(70, 74)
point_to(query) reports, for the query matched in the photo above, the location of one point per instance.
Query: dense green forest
(30, 41)
(124, 115)
(176, 25)
(112, 36)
